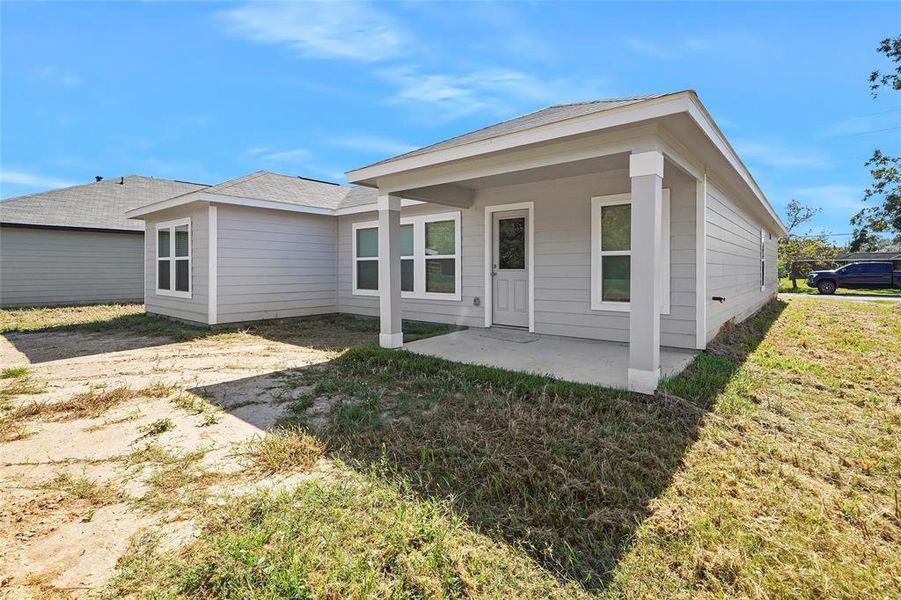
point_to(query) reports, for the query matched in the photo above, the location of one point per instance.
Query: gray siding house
(630, 220)
(75, 245)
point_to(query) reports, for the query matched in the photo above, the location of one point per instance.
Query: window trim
(597, 202)
(419, 257)
(762, 259)
(355, 259)
(171, 225)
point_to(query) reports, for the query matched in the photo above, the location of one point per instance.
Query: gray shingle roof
(264, 185)
(99, 205)
(545, 116)
(869, 255)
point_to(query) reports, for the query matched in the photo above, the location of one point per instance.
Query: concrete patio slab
(571, 359)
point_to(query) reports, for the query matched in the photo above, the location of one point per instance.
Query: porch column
(646, 173)
(390, 335)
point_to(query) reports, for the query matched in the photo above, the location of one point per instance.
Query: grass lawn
(770, 468)
(785, 286)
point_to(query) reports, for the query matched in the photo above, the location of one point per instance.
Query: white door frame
(488, 251)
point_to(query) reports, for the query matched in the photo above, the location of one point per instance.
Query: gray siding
(274, 264)
(46, 267)
(463, 312)
(733, 262)
(196, 307)
(562, 261)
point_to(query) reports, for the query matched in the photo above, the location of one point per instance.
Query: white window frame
(597, 202)
(171, 225)
(762, 259)
(355, 259)
(419, 257)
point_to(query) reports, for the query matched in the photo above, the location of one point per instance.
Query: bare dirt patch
(110, 435)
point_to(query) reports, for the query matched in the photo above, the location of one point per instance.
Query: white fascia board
(143, 211)
(614, 117)
(229, 200)
(365, 208)
(710, 128)
(682, 102)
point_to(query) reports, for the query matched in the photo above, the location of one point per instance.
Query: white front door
(510, 269)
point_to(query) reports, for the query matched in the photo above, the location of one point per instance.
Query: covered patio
(570, 359)
(627, 288)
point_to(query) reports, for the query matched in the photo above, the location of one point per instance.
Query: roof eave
(680, 102)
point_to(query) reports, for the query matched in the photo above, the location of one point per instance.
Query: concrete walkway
(570, 359)
(857, 297)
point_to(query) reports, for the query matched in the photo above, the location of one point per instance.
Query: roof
(266, 186)
(100, 205)
(545, 116)
(894, 254)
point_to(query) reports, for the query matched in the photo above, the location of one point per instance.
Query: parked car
(868, 275)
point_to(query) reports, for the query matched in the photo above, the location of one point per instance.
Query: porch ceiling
(570, 359)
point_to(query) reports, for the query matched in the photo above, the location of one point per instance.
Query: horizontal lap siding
(562, 261)
(46, 267)
(274, 264)
(563, 257)
(733, 262)
(194, 308)
(463, 312)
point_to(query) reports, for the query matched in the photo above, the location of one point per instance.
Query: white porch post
(646, 173)
(389, 271)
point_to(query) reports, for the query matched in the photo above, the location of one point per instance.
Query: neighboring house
(629, 220)
(75, 245)
(850, 257)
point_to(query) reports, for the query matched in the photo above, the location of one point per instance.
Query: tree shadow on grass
(565, 471)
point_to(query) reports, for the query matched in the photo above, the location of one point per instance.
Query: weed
(14, 372)
(283, 450)
(157, 427)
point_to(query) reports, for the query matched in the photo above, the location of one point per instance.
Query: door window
(511, 243)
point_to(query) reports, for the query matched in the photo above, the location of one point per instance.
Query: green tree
(795, 247)
(884, 217)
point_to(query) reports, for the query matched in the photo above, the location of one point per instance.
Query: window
(430, 257)
(611, 258)
(173, 258)
(366, 260)
(762, 259)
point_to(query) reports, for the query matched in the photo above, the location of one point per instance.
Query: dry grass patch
(281, 451)
(94, 492)
(90, 404)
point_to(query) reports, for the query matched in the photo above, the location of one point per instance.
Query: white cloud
(33, 180)
(298, 155)
(371, 143)
(831, 197)
(445, 96)
(670, 49)
(864, 124)
(775, 154)
(58, 76)
(346, 30)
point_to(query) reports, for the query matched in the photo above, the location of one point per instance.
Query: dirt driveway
(104, 431)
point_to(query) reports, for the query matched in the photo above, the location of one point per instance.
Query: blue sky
(206, 92)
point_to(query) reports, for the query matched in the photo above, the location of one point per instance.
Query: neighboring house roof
(545, 116)
(264, 189)
(265, 185)
(100, 205)
(869, 255)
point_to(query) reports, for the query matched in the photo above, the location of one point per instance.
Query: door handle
(493, 270)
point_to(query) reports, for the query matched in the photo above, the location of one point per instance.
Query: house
(892, 256)
(75, 245)
(630, 220)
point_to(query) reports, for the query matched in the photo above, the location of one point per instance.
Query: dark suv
(868, 275)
